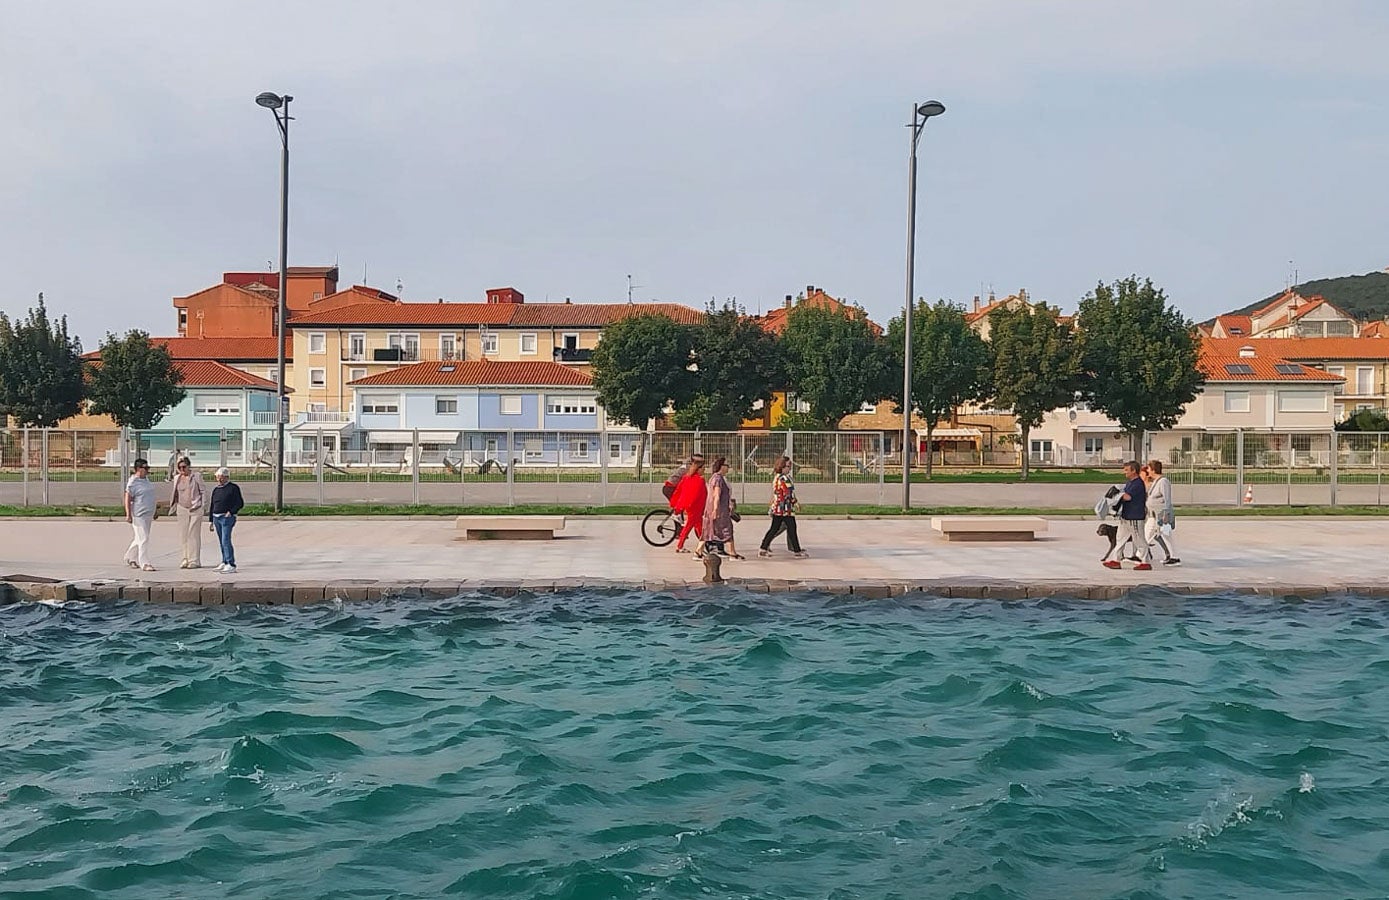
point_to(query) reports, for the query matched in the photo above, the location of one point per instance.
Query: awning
(408, 437)
(325, 427)
(951, 434)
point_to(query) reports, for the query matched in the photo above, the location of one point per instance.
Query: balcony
(264, 418)
(408, 355)
(324, 417)
(572, 355)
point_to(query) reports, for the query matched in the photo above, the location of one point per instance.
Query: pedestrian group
(707, 507)
(190, 501)
(1138, 515)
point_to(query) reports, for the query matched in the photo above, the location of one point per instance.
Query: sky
(712, 150)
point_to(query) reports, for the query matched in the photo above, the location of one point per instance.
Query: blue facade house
(221, 404)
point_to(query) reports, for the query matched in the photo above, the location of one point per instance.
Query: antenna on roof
(364, 273)
(399, 287)
(630, 288)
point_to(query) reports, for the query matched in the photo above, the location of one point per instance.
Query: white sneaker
(229, 570)
(222, 567)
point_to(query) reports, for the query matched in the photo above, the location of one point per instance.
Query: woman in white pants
(1160, 514)
(187, 503)
(139, 512)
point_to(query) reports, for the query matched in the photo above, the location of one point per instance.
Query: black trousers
(780, 524)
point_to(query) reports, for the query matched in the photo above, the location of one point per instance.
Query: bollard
(712, 562)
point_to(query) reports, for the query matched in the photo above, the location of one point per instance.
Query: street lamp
(279, 107)
(920, 113)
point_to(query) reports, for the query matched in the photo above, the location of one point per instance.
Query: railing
(264, 418)
(572, 355)
(324, 417)
(407, 355)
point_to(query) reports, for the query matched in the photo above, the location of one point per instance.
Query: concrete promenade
(310, 559)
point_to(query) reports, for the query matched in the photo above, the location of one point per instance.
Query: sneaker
(231, 570)
(1143, 567)
(222, 567)
(801, 554)
(183, 565)
(1113, 564)
(194, 565)
(764, 554)
(1171, 561)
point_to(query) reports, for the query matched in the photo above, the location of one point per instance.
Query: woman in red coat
(690, 497)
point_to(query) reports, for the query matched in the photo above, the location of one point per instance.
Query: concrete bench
(508, 528)
(989, 528)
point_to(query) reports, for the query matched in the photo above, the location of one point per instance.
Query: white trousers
(1153, 532)
(190, 535)
(1133, 529)
(138, 551)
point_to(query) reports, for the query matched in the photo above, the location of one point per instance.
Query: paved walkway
(1230, 553)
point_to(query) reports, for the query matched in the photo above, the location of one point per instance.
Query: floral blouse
(783, 496)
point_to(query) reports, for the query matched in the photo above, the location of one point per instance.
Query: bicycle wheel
(659, 527)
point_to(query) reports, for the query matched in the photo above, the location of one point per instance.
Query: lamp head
(930, 108)
(269, 100)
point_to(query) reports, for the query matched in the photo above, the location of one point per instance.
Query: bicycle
(660, 526)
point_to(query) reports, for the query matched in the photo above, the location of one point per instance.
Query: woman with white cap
(222, 508)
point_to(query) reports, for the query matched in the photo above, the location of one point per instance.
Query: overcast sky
(712, 149)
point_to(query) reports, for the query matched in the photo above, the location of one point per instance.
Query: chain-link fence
(329, 464)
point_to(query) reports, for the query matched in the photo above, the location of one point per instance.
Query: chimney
(976, 303)
(786, 304)
(1022, 294)
(1246, 351)
(505, 295)
(809, 289)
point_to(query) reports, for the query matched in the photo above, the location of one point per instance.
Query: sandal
(149, 568)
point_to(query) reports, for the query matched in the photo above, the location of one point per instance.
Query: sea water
(719, 744)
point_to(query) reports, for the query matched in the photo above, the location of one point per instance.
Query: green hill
(1366, 297)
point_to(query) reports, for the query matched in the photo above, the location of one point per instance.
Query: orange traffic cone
(1249, 494)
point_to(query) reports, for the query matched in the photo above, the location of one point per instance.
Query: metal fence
(56, 467)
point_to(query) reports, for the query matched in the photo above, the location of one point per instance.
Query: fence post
(222, 448)
(882, 464)
(414, 465)
(1239, 467)
(320, 466)
(511, 467)
(1292, 453)
(24, 452)
(1335, 467)
(43, 463)
(603, 466)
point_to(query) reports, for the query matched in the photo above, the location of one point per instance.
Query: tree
(835, 361)
(950, 364)
(1036, 365)
(135, 382)
(1140, 356)
(1364, 420)
(641, 366)
(736, 364)
(40, 369)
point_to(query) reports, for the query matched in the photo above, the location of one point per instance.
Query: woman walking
(689, 498)
(139, 512)
(222, 508)
(187, 503)
(783, 511)
(1161, 520)
(720, 510)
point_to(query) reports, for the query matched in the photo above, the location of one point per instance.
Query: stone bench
(508, 528)
(989, 528)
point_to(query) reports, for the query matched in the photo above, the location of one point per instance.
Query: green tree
(1140, 357)
(641, 366)
(835, 361)
(950, 364)
(40, 369)
(1036, 364)
(135, 382)
(1364, 420)
(737, 363)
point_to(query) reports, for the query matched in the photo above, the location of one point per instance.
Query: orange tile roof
(479, 372)
(774, 320)
(435, 314)
(1235, 326)
(1213, 366)
(597, 315)
(1308, 348)
(1375, 330)
(210, 373)
(229, 349)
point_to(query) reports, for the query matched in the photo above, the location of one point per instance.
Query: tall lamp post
(279, 108)
(920, 113)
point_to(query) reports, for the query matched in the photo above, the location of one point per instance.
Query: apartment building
(1363, 363)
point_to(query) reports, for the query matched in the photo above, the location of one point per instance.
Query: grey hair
(224, 471)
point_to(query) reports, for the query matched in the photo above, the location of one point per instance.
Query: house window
(1364, 380)
(571, 342)
(380, 404)
(355, 373)
(535, 449)
(529, 342)
(489, 342)
(1340, 411)
(183, 320)
(318, 378)
(1301, 401)
(447, 342)
(1041, 449)
(570, 406)
(615, 450)
(317, 341)
(1094, 445)
(407, 344)
(1361, 406)
(511, 405)
(357, 347)
(1237, 401)
(1338, 370)
(216, 405)
(272, 374)
(578, 449)
(445, 406)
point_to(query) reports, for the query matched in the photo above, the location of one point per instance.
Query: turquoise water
(595, 745)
